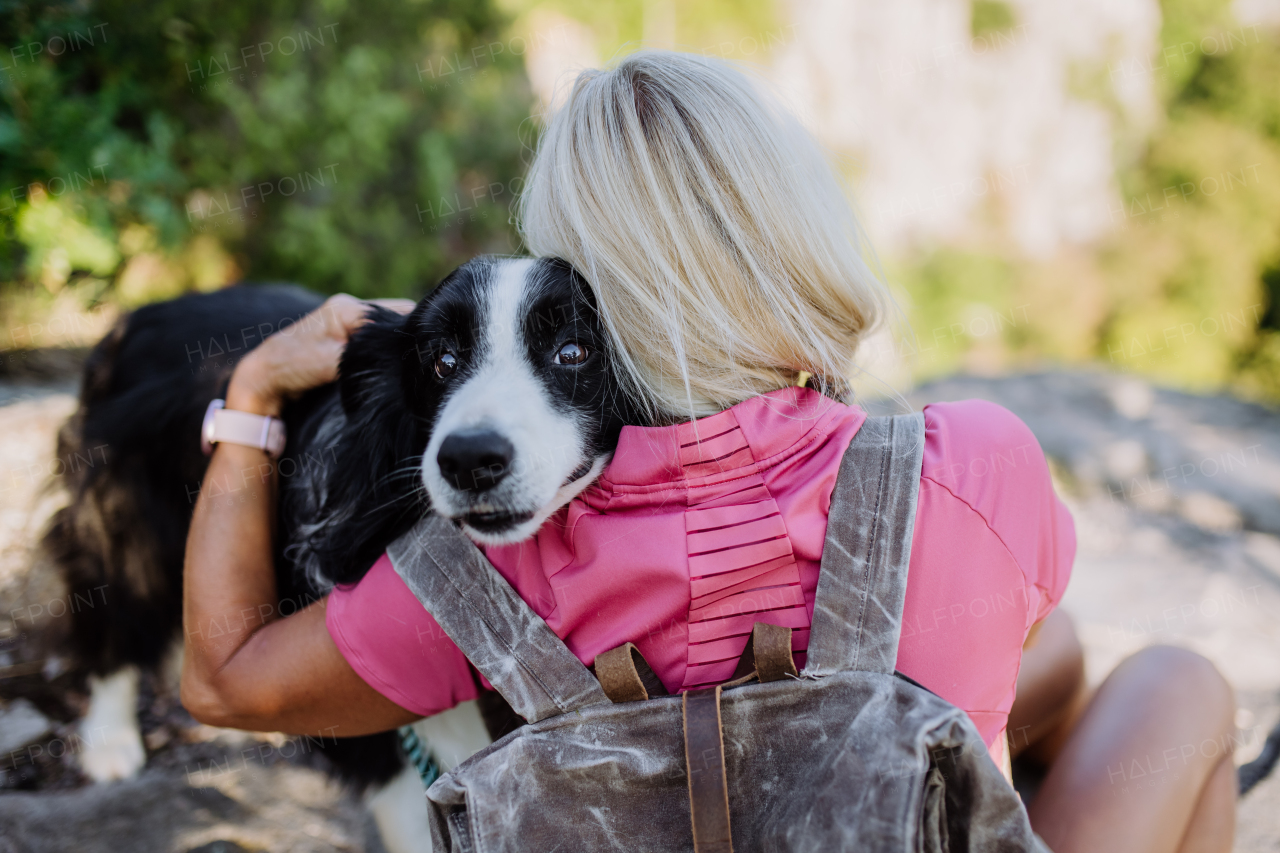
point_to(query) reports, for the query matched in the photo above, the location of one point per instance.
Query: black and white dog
(493, 403)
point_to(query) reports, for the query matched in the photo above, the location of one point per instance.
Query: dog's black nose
(475, 460)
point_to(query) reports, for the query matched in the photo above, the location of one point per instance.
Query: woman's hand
(300, 357)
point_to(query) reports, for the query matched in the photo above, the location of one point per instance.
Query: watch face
(275, 438)
(206, 429)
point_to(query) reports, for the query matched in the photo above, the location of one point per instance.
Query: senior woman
(726, 263)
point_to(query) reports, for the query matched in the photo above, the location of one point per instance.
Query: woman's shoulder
(983, 456)
(973, 443)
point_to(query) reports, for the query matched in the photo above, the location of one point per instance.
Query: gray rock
(1159, 449)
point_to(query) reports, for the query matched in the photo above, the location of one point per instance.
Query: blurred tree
(745, 30)
(1189, 270)
(1186, 288)
(990, 16)
(146, 148)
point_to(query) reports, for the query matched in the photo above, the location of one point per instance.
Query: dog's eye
(571, 353)
(445, 365)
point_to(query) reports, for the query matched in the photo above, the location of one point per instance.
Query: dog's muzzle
(475, 460)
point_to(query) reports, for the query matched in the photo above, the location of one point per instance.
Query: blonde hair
(725, 258)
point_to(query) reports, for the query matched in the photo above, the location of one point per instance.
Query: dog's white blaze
(504, 394)
(111, 743)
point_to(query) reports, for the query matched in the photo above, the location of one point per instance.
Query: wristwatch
(223, 424)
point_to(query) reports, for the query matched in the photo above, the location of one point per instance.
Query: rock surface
(21, 723)
(251, 807)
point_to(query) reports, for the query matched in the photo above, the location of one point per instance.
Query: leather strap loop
(704, 758)
(767, 655)
(625, 676)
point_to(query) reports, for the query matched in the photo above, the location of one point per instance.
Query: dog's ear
(373, 493)
(373, 365)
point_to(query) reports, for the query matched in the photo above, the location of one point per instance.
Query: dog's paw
(110, 755)
(400, 812)
(110, 743)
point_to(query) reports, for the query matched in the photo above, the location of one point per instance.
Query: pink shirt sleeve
(426, 673)
(988, 458)
(991, 555)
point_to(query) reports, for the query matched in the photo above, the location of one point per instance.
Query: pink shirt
(696, 531)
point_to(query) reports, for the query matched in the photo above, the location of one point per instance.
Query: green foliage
(146, 149)
(991, 16)
(1187, 287)
(1203, 220)
(960, 301)
(731, 29)
(150, 147)
(1202, 217)
(1186, 23)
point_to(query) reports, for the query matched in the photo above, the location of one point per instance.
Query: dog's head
(512, 369)
(507, 393)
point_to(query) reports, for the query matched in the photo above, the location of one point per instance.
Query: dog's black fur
(351, 473)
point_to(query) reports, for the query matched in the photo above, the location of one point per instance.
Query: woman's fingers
(342, 314)
(306, 354)
(401, 306)
(348, 313)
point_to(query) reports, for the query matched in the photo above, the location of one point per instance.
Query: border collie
(493, 403)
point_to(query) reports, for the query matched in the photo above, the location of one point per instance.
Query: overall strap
(498, 632)
(857, 615)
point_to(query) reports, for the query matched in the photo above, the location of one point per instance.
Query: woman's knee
(1187, 680)
(1145, 763)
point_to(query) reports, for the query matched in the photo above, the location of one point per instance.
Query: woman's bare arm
(245, 665)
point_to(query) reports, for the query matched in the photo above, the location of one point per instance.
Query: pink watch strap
(223, 424)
